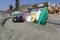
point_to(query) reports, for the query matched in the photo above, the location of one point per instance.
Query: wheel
(14, 20)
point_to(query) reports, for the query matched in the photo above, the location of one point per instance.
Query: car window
(34, 10)
(19, 14)
(14, 15)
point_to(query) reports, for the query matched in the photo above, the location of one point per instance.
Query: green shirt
(43, 16)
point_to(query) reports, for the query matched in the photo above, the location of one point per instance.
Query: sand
(28, 31)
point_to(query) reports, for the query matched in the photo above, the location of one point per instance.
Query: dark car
(17, 17)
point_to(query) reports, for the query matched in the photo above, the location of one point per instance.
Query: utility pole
(17, 4)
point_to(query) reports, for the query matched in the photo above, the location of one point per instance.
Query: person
(33, 17)
(28, 19)
(43, 16)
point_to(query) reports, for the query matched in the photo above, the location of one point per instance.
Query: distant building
(41, 5)
(25, 7)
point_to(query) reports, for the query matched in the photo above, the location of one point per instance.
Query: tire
(14, 20)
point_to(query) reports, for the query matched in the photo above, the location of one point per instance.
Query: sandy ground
(28, 31)
(54, 16)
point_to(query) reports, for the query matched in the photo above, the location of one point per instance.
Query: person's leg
(39, 21)
(44, 21)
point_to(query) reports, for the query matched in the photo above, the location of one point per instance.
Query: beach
(29, 31)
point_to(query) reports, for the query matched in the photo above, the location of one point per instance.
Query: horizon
(4, 4)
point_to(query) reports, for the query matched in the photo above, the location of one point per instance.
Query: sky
(4, 4)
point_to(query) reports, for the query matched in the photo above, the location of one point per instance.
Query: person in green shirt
(44, 15)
